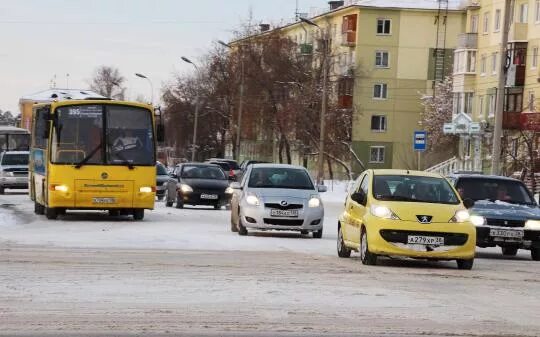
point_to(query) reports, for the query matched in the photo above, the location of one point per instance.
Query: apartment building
(385, 55)
(476, 67)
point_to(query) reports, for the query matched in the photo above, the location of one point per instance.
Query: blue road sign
(420, 141)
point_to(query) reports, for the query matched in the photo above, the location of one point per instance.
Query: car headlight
(383, 212)
(146, 189)
(461, 216)
(6, 174)
(532, 224)
(477, 220)
(314, 201)
(252, 200)
(229, 190)
(185, 188)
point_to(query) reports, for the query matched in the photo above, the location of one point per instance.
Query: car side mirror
(236, 186)
(160, 133)
(468, 203)
(322, 188)
(359, 197)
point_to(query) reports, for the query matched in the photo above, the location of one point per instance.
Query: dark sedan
(199, 184)
(505, 213)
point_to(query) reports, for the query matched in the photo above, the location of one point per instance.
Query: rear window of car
(202, 172)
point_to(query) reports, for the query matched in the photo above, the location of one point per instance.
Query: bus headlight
(533, 224)
(60, 188)
(185, 188)
(146, 189)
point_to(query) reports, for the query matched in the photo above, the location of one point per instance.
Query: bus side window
(41, 128)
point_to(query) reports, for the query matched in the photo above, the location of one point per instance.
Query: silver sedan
(277, 197)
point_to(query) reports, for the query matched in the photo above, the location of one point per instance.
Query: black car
(230, 166)
(199, 184)
(505, 213)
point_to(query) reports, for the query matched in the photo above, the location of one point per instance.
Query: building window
(474, 23)
(480, 106)
(523, 13)
(380, 91)
(483, 65)
(376, 154)
(384, 26)
(486, 22)
(491, 105)
(537, 11)
(467, 148)
(515, 146)
(535, 57)
(494, 63)
(497, 20)
(531, 102)
(378, 123)
(381, 59)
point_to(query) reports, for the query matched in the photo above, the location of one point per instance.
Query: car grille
(505, 223)
(20, 173)
(279, 206)
(283, 222)
(15, 169)
(450, 239)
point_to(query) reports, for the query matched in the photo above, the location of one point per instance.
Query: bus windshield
(14, 141)
(102, 134)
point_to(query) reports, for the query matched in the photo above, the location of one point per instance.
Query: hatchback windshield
(494, 189)
(15, 159)
(160, 170)
(202, 172)
(413, 189)
(277, 177)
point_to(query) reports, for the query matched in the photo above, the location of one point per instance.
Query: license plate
(103, 200)
(284, 212)
(506, 233)
(209, 196)
(425, 240)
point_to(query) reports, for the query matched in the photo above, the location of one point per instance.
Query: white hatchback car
(277, 197)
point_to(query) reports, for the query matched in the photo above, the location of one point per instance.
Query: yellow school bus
(93, 154)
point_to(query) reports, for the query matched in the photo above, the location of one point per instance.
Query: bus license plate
(103, 200)
(209, 196)
(281, 212)
(425, 240)
(506, 233)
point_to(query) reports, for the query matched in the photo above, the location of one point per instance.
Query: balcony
(518, 32)
(511, 120)
(467, 41)
(530, 121)
(345, 102)
(348, 30)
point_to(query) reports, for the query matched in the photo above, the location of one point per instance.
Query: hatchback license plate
(282, 212)
(506, 233)
(425, 240)
(209, 196)
(103, 200)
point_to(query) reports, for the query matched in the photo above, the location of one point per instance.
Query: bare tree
(108, 81)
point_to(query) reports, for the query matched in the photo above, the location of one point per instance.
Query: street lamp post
(320, 166)
(196, 117)
(240, 103)
(151, 87)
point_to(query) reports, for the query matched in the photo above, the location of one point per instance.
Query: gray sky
(43, 38)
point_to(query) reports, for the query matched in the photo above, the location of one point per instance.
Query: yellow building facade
(476, 69)
(383, 53)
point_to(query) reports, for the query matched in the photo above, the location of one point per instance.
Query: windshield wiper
(87, 158)
(122, 158)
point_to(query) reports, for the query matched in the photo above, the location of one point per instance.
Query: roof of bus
(94, 101)
(58, 94)
(12, 129)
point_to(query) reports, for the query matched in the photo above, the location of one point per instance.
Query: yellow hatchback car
(406, 213)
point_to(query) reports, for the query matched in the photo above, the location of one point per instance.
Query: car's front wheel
(317, 234)
(342, 250)
(509, 251)
(465, 264)
(179, 202)
(242, 230)
(366, 256)
(535, 254)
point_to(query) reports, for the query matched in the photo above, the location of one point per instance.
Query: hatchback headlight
(229, 190)
(314, 201)
(477, 220)
(461, 216)
(383, 212)
(185, 188)
(533, 224)
(253, 200)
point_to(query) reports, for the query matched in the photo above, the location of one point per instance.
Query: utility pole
(196, 117)
(320, 170)
(240, 107)
(497, 131)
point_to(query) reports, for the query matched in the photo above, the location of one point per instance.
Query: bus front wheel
(38, 208)
(51, 213)
(138, 214)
